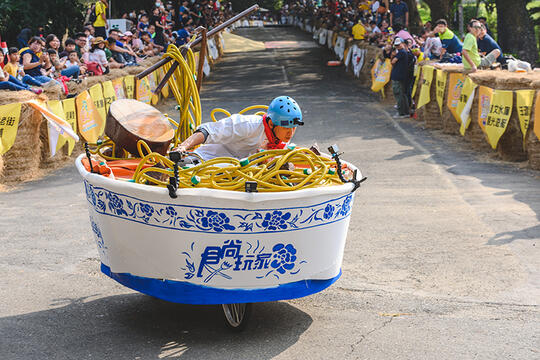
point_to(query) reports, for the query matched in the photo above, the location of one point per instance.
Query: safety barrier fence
(492, 110)
(31, 142)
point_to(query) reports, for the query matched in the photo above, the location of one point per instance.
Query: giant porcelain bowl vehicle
(212, 246)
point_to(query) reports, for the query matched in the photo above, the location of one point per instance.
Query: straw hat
(97, 40)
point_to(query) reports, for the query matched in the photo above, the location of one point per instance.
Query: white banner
(339, 48)
(349, 56)
(212, 49)
(329, 39)
(322, 36)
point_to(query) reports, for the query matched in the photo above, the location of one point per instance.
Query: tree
(54, 15)
(440, 9)
(516, 30)
(415, 22)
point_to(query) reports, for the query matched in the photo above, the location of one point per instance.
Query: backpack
(93, 68)
(93, 17)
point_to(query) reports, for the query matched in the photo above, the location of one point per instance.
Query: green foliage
(54, 15)
(424, 12)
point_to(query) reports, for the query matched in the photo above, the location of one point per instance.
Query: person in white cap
(399, 78)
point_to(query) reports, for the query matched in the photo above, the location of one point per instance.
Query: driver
(239, 136)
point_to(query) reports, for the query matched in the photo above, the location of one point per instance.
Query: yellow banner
(56, 107)
(88, 119)
(465, 104)
(380, 74)
(165, 90)
(71, 117)
(484, 104)
(524, 101)
(143, 92)
(454, 92)
(109, 95)
(417, 71)
(96, 93)
(499, 114)
(129, 82)
(441, 88)
(427, 78)
(9, 123)
(118, 85)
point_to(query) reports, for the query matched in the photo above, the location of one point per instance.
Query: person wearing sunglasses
(471, 57)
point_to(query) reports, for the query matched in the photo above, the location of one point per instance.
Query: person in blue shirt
(483, 21)
(399, 77)
(449, 40)
(486, 44)
(182, 36)
(399, 13)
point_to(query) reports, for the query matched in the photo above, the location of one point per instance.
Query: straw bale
(53, 91)
(22, 160)
(474, 133)
(450, 68)
(10, 97)
(450, 125)
(510, 147)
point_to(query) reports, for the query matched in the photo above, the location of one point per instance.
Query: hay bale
(474, 133)
(10, 97)
(510, 147)
(21, 162)
(449, 122)
(431, 114)
(533, 143)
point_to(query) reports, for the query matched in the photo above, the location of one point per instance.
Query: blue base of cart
(187, 293)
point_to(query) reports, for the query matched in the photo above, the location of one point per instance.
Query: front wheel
(236, 315)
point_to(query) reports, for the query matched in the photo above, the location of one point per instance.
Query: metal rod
(211, 33)
(202, 58)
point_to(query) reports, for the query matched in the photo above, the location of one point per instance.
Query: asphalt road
(442, 257)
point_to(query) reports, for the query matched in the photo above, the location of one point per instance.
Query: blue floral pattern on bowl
(217, 220)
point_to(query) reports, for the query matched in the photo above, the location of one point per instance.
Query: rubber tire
(243, 321)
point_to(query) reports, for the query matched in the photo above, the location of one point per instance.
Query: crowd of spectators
(386, 24)
(42, 59)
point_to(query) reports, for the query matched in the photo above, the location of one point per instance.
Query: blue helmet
(285, 112)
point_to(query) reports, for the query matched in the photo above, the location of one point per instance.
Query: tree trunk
(415, 23)
(440, 9)
(515, 30)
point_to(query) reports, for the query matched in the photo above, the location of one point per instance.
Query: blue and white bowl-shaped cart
(219, 247)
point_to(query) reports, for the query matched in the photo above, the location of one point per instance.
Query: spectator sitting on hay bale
(432, 45)
(97, 54)
(9, 82)
(15, 69)
(60, 63)
(33, 64)
(450, 42)
(471, 57)
(486, 44)
(121, 53)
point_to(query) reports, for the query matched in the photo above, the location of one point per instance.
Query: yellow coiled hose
(272, 170)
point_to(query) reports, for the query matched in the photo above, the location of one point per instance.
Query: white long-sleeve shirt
(236, 136)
